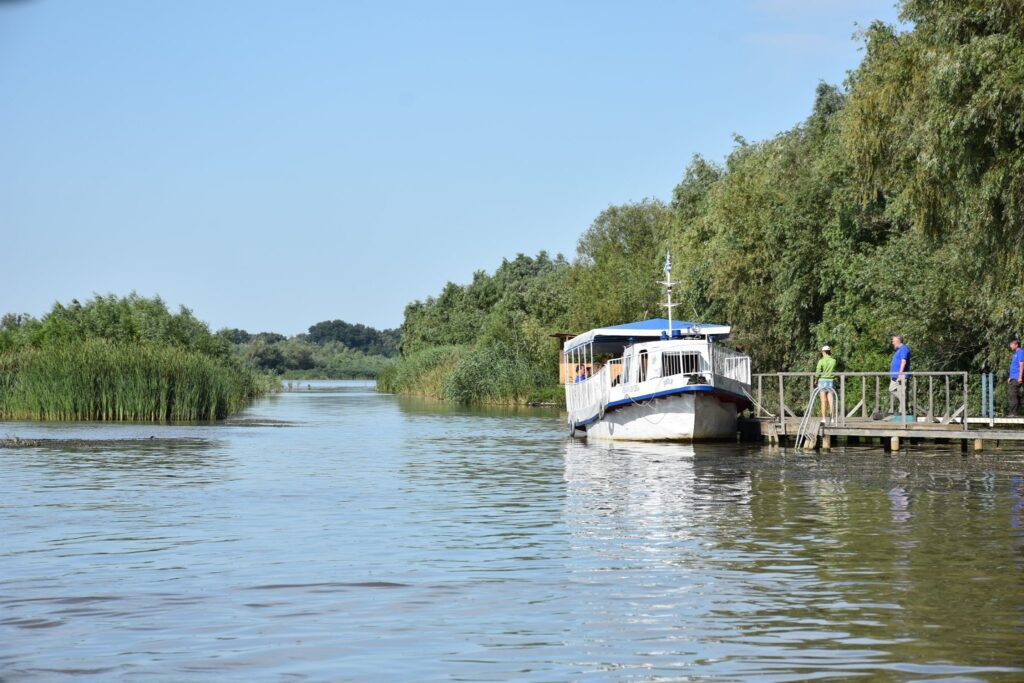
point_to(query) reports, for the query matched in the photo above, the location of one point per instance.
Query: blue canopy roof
(657, 324)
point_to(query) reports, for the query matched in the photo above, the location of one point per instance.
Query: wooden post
(977, 444)
(826, 442)
(894, 444)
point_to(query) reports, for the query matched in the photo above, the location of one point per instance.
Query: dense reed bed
(494, 374)
(99, 379)
(421, 373)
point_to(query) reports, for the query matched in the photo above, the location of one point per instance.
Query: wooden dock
(939, 407)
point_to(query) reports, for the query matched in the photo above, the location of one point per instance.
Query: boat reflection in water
(661, 487)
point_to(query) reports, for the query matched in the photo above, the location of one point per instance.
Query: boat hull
(682, 417)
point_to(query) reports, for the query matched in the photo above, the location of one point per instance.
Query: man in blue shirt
(1016, 376)
(899, 365)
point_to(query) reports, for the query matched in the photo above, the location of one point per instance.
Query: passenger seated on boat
(580, 374)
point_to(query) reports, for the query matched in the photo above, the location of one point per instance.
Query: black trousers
(1013, 391)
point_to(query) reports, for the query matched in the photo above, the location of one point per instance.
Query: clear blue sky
(274, 164)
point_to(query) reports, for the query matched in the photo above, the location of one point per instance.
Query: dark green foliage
(234, 335)
(489, 340)
(333, 349)
(896, 207)
(530, 286)
(131, 319)
(619, 263)
(936, 123)
(357, 337)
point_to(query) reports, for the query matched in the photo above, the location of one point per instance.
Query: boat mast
(668, 290)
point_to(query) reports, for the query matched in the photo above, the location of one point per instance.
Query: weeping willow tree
(897, 206)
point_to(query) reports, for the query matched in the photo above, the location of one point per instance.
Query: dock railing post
(931, 403)
(991, 399)
(842, 399)
(946, 418)
(916, 410)
(984, 396)
(760, 397)
(878, 396)
(864, 397)
(966, 407)
(782, 405)
(903, 404)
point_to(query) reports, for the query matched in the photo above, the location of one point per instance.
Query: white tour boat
(655, 380)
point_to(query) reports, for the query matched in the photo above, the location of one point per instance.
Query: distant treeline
(120, 359)
(333, 349)
(897, 206)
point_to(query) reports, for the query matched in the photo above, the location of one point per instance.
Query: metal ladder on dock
(804, 431)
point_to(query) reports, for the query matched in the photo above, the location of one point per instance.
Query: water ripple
(387, 538)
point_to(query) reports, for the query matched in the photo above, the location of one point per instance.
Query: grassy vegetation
(422, 373)
(112, 381)
(897, 206)
(130, 359)
(116, 359)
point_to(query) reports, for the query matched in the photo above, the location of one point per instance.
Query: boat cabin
(640, 351)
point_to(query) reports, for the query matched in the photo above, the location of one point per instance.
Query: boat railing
(585, 399)
(615, 370)
(731, 364)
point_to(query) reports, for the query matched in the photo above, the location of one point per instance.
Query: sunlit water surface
(381, 538)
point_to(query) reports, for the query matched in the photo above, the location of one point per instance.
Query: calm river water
(383, 538)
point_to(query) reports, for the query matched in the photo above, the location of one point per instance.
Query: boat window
(680, 363)
(642, 370)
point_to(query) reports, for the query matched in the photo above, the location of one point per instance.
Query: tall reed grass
(484, 374)
(98, 379)
(422, 373)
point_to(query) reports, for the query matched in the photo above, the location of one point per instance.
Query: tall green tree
(619, 262)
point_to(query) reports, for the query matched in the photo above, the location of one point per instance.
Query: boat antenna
(668, 289)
